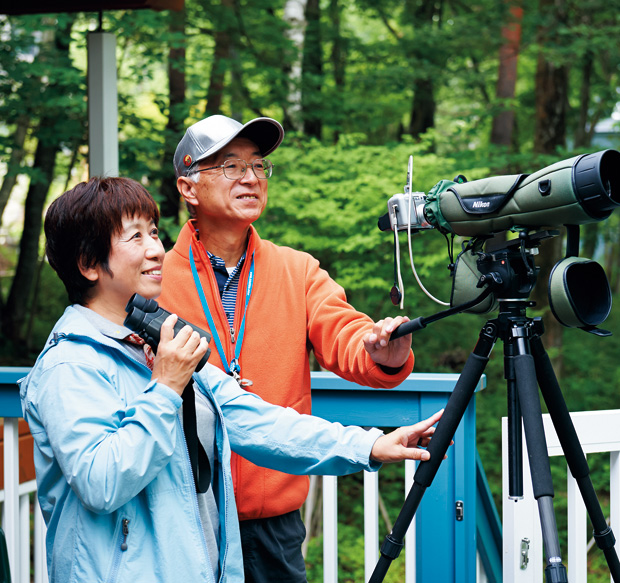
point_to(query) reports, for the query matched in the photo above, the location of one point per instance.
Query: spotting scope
(579, 190)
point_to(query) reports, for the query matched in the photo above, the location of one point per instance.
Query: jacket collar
(189, 235)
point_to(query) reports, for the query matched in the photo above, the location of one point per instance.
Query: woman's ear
(90, 273)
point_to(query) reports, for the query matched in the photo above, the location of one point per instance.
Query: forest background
(474, 88)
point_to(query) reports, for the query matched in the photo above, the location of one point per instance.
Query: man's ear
(90, 273)
(186, 188)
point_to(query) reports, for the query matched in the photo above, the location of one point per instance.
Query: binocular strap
(201, 468)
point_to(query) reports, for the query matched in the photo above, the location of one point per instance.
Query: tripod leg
(573, 452)
(446, 428)
(515, 445)
(540, 470)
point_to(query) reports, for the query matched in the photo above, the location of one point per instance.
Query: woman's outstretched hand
(405, 443)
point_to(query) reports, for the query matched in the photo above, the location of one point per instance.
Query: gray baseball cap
(211, 134)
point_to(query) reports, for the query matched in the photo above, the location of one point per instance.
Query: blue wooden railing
(448, 541)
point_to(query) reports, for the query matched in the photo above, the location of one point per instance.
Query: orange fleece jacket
(294, 307)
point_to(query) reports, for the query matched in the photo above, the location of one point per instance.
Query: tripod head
(579, 292)
(510, 271)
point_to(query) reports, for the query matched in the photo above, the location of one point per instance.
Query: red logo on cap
(187, 160)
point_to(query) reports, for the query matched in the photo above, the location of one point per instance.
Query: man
(267, 307)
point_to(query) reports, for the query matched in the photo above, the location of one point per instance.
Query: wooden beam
(45, 6)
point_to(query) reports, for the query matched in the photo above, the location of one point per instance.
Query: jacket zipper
(125, 525)
(119, 550)
(194, 495)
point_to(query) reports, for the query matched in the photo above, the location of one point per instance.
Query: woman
(114, 478)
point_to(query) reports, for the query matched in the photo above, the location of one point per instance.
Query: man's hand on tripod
(377, 343)
(405, 443)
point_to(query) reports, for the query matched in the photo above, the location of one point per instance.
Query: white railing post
(598, 431)
(16, 515)
(371, 522)
(40, 561)
(521, 532)
(410, 563)
(330, 529)
(614, 489)
(11, 494)
(24, 538)
(577, 528)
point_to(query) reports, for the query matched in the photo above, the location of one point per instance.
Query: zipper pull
(232, 335)
(125, 534)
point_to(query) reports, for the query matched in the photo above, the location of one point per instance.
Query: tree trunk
(550, 134)
(221, 56)
(551, 104)
(337, 56)
(294, 16)
(312, 72)
(177, 112)
(14, 163)
(423, 107)
(16, 308)
(503, 122)
(612, 256)
(589, 239)
(582, 135)
(237, 92)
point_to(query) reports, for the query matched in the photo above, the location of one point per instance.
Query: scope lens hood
(596, 182)
(579, 293)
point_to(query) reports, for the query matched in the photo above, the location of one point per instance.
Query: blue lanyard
(233, 367)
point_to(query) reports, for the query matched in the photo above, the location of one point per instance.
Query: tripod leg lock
(555, 573)
(391, 548)
(605, 540)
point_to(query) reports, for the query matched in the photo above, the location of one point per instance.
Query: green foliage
(47, 305)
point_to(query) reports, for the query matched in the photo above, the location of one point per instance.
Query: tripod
(527, 368)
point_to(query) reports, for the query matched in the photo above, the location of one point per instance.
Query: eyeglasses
(234, 169)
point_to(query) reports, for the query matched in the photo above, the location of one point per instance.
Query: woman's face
(134, 266)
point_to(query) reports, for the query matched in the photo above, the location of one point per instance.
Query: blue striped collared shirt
(228, 283)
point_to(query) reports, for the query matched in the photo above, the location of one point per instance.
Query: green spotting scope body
(579, 190)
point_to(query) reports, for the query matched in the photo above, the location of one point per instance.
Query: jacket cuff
(392, 374)
(164, 390)
(373, 435)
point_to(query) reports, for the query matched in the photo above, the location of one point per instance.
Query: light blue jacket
(113, 473)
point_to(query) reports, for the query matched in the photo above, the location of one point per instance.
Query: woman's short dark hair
(79, 226)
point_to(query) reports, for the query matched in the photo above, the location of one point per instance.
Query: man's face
(224, 201)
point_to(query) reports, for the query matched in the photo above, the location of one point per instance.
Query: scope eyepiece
(596, 182)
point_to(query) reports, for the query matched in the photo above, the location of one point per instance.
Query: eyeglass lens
(235, 168)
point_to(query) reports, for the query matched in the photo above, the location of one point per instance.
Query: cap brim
(265, 132)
